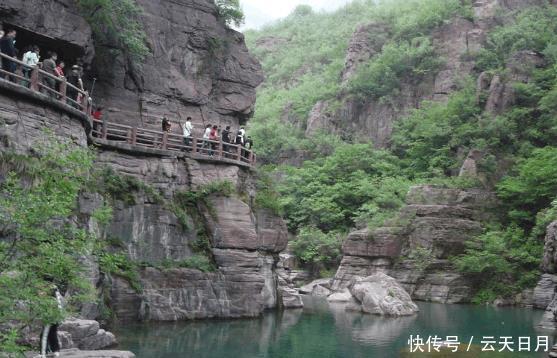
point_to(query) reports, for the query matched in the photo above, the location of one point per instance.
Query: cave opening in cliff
(67, 52)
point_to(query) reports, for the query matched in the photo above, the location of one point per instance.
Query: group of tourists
(32, 59)
(212, 136)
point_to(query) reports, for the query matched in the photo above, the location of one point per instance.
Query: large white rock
(307, 289)
(382, 295)
(342, 296)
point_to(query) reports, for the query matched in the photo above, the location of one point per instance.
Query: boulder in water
(382, 295)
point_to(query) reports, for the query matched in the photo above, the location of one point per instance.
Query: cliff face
(455, 42)
(244, 243)
(415, 247)
(199, 68)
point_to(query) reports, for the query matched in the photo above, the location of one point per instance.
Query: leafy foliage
(533, 186)
(120, 264)
(398, 63)
(317, 249)
(305, 59)
(502, 262)
(123, 188)
(116, 22)
(534, 29)
(41, 244)
(356, 184)
(231, 12)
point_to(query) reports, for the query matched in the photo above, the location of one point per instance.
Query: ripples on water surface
(322, 331)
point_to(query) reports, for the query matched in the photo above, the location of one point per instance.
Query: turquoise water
(321, 330)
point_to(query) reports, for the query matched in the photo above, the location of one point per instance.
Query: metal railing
(46, 83)
(195, 147)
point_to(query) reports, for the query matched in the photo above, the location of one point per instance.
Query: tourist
(49, 66)
(187, 129)
(60, 69)
(75, 84)
(240, 137)
(214, 137)
(206, 136)
(225, 137)
(166, 126)
(7, 47)
(249, 143)
(31, 58)
(1, 34)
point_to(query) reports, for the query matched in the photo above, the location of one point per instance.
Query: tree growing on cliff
(41, 242)
(115, 23)
(231, 12)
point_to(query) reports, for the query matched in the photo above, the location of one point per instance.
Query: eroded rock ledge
(436, 222)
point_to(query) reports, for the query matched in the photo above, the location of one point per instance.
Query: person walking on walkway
(214, 137)
(31, 58)
(74, 79)
(187, 129)
(225, 137)
(7, 47)
(60, 69)
(49, 66)
(206, 136)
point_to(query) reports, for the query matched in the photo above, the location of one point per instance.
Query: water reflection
(322, 330)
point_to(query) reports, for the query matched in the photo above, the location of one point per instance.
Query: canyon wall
(197, 67)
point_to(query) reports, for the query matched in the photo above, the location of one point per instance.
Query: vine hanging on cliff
(116, 23)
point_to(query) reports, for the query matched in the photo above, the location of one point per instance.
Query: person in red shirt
(60, 69)
(213, 136)
(97, 113)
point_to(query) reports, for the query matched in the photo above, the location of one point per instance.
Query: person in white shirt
(206, 136)
(187, 129)
(31, 58)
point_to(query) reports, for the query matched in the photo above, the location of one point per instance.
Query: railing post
(164, 140)
(239, 152)
(194, 145)
(63, 88)
(35, 79)
(134, 136)
(219, 153)
(85, 102)
(105, 129)
(250, 157)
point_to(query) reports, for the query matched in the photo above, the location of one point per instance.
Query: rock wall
(545, 293)
(197, 67)
(455, 41)
(435, 223)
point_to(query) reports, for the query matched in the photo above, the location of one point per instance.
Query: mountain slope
(460, 99)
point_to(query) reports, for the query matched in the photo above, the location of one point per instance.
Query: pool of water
(321, 330)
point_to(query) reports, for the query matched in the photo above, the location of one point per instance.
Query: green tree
(231, 12)
(41, 244)
(117, 23)
(532, 187)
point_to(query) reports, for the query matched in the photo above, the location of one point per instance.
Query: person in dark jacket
(74, 78)
(7, 47)
(49, 66)
(225, 136)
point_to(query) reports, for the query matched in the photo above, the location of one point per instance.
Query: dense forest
(345, 183)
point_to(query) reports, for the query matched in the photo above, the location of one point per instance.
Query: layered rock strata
(415, 248)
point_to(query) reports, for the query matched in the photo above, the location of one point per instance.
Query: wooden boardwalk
(49, 88)
(152, 142)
